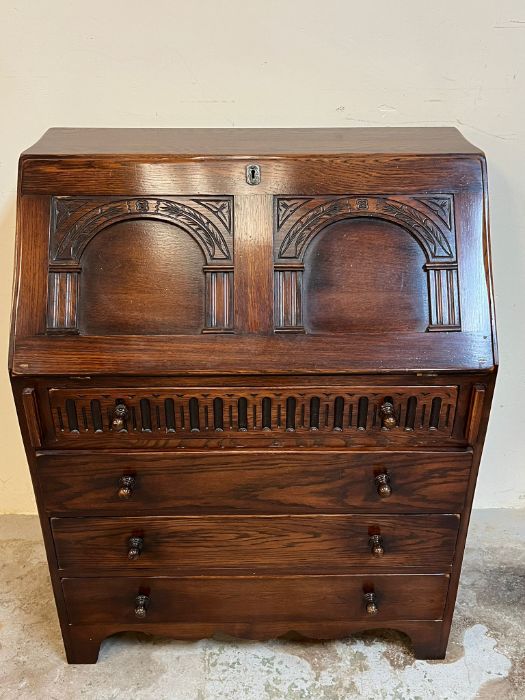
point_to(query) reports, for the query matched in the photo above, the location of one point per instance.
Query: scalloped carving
(294, 238)
(207, 221)
(429, 220)
(76, 220)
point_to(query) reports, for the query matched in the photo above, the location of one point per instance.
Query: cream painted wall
(286, 63)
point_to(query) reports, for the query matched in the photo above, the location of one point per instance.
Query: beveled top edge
(247, 142)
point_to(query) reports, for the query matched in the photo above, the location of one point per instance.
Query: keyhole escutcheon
(253, 174)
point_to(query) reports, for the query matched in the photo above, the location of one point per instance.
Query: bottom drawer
(263, 599)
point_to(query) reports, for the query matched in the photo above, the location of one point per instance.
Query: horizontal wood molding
(171, 355)
(287, 176)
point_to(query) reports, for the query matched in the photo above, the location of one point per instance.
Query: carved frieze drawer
(121, 414)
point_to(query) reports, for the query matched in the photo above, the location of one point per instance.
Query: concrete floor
(486, 654)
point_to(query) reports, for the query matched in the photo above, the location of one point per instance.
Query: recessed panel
(142, 277)
(364, 275)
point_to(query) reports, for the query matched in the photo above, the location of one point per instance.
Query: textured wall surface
(280, 64)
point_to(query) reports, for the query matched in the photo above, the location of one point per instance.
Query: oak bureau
(253, 370)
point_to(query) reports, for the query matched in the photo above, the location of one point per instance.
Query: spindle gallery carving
(429, 220)
(76, 221)
(353, 412)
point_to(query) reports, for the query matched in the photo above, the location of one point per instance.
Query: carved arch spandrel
(428, 219)
(75, 222)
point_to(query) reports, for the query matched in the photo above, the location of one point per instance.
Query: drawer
(253, 481)
(262, 599)
(288, 543)
(375, 415)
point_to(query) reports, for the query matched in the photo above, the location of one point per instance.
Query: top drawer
(375, 415)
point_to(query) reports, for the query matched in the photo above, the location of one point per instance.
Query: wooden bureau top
(352, 251)
(234, 142)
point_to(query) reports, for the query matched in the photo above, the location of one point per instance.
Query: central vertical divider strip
(253, 258)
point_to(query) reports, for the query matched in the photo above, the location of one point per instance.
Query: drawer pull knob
(135, 545)
(376, 545)
(371, 604)
(126, 486)
(384, 488)
(120, 416)
(388, 419)
(141, 605)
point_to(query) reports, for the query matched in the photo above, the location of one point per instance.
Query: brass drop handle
(135, 545)
(388, 419)
(126, 486)
(376, 545)
(142, 602)
(371, 604)
(383, 485)
(120, 416)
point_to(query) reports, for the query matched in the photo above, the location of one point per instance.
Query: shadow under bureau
(253, 370)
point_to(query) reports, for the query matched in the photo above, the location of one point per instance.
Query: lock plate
(253, 174)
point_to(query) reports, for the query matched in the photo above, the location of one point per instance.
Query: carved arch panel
(428, 219)
(76, 221)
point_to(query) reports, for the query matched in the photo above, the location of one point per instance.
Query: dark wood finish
(180, 143)
(341, 269)
(83, 641)
(295, 371)
(475, 413)
(249, 544)
(245, 482)
(98, 355)
(410, 415)
(269, 599)
(126, 295)
(31, 416)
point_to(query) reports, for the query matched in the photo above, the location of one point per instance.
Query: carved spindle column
(219, 299)
(289, 298)
(443, 296)
(62, 299)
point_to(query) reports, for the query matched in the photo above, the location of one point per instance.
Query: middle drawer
(255, 544)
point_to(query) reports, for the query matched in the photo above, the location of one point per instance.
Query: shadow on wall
(496, 487)
(15, 485)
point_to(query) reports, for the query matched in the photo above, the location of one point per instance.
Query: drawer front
(227, 599)
(362, 414)
(295, 543)
(249, 481)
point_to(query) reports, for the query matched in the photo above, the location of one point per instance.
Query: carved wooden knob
(376, 545)
(120, 416)
(126, 486)
(388, 419)
(135, 545)
(384, 488)
(371, 604)
(141, 605)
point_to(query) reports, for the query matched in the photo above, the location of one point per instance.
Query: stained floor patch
(485, 658)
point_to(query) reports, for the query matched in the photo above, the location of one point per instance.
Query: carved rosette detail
(429, 220)
(75, 222)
